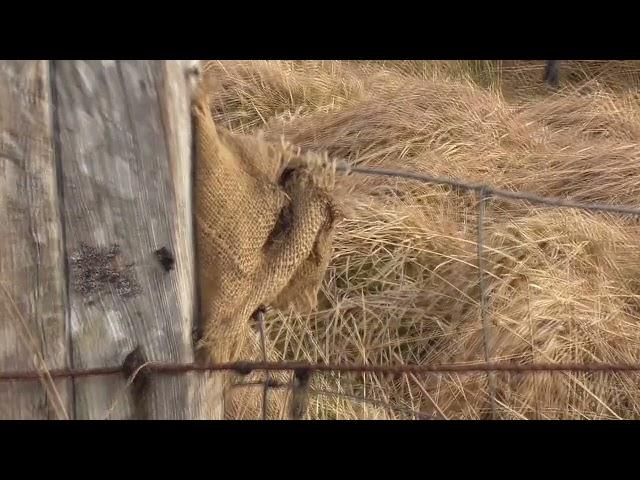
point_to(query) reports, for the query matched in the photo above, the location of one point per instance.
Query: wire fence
(303, 370)
(246, 367)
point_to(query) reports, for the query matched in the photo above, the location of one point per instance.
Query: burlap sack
(264, 222)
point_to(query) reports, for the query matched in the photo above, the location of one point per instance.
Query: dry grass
(403, 283)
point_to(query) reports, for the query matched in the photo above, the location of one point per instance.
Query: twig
(43, 372)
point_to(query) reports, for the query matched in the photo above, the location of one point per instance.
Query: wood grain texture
(175, 91)
(31, 250)
(125, 150)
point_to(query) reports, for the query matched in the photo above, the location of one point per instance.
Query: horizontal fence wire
(485, 192)
(247, 367)
(490, 191)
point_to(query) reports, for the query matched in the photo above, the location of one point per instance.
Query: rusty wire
(393, 370)
(486, 331)
(259, 316)
(490, 191)
(485, 192)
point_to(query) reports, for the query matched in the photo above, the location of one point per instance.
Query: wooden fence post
(120, 134)
(32, 280)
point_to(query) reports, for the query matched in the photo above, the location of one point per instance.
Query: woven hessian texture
(264, 219)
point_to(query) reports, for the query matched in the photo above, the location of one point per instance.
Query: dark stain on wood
(166, 258)
(96, 269)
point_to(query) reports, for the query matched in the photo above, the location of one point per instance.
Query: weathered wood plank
(31, 250)
(205, 389)
(125, 149)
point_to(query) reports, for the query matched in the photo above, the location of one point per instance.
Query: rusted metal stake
(259, 318)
